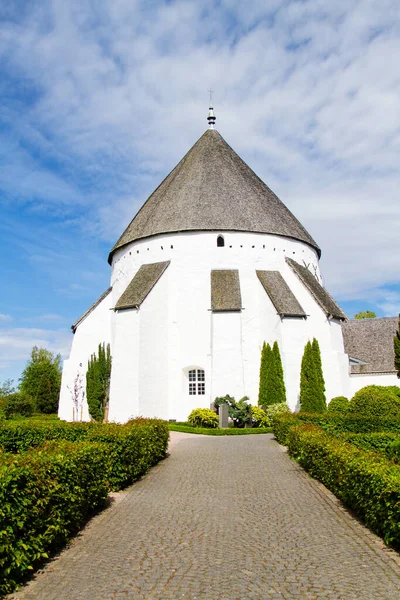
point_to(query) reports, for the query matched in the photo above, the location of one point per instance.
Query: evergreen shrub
(272, 384)
(19, 436)
(380, 442)
(393, 451)
(265, 359)
(134, 447)
(277, 409)
(98, 381)
(339, 404)
(45, 496)
(337, 423)
(364, 481)
(281, 425)
(18, 404)
(203, 417)
(375, 401)
(48, 492)
(312, 385)
(259, 417)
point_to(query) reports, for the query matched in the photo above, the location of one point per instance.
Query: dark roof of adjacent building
(90, 309)
(213, 189)
(371, 340)
(225, 290)
(319, 293)
(141, 285)
(281, 295)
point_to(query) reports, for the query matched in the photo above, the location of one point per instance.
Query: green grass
(184, 428)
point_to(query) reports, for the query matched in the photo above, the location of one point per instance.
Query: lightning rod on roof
(211, 116)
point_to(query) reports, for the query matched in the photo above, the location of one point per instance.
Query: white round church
(211, 266)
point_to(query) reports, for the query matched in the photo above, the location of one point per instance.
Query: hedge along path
(222, 518)
(49, 490)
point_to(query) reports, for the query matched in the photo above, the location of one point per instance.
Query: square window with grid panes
(197, 384)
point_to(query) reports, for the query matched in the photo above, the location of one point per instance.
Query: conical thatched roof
(212, 189)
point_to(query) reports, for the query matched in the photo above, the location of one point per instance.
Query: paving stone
(222, 518)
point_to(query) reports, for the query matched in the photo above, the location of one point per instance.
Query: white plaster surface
(356, 382)
(92, 331)
(154, 347)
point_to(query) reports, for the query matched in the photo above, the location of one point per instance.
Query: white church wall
(189, 331)
(92, 331)
(227, 357)
(124, 384)
(153, 351)
(260, 324)
(358, 381)
(195, 337)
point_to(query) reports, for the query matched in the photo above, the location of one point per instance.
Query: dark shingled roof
(371, 340)
(90, 309)
(212, 189)
(225, 290)
(280, 294)
(141, 285)
(319, 293)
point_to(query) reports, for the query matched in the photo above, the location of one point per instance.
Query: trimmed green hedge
(365, 482)
(383, 443)
(48, 492)
(17, 436)
(45, 496)
(184, 428)
(134, 448)
(281, 425)
(334, 423)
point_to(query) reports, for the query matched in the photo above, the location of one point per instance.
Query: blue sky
(99, 101)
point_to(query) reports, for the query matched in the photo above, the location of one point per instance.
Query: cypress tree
(278, 389)
(265, 356)
(312, 385)
(307, 380)
(396, 341)
(320, 398)
(97, 382)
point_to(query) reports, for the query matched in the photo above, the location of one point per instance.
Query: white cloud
(16, 343)
(306, 92)
(5, 318)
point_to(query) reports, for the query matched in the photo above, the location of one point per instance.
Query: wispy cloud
(5, 318)
(100, 100)
(17, 343)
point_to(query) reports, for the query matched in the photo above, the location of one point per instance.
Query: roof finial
(211, 116)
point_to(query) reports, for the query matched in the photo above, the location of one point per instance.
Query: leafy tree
(98, 382)
(18, 403)
(41, 380)
(312, 386)
(365, 314)
(6, 390)
(397, 350)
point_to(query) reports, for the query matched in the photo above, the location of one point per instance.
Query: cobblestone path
(223, 518)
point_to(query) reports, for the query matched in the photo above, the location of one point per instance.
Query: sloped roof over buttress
(213, 189)
(371, 340)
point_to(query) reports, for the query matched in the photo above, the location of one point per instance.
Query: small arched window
(220, 241)
(197, 383)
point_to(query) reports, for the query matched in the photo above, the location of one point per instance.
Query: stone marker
(223, 416)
